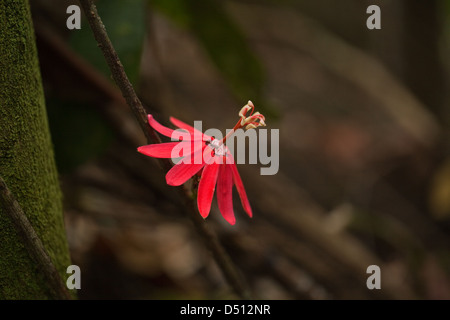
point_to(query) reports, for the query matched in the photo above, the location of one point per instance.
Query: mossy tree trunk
(26, 159)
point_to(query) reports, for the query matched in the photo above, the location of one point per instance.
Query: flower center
(218, 147)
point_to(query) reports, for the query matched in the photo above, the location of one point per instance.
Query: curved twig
(118, 73)
(33, 243)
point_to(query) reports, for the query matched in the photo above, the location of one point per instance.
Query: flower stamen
(252, 121)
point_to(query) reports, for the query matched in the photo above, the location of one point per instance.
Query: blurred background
(364, 145)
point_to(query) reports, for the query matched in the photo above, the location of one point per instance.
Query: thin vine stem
(211, 240)
(32, 242)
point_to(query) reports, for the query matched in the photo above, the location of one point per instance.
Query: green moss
(26, 158)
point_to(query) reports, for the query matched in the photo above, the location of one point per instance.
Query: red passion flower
(203, 154)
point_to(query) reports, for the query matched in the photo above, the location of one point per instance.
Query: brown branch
(117, 70)
(33, 243)
(118, 73)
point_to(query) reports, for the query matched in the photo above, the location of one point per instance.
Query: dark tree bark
(26, 160)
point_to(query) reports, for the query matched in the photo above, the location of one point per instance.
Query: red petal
(161, 150)
(187, 149)
(206, 188)
(190, 129)
(182, 125)
(182, 172)
(224, 193)
(164, 130)
(241, 190)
